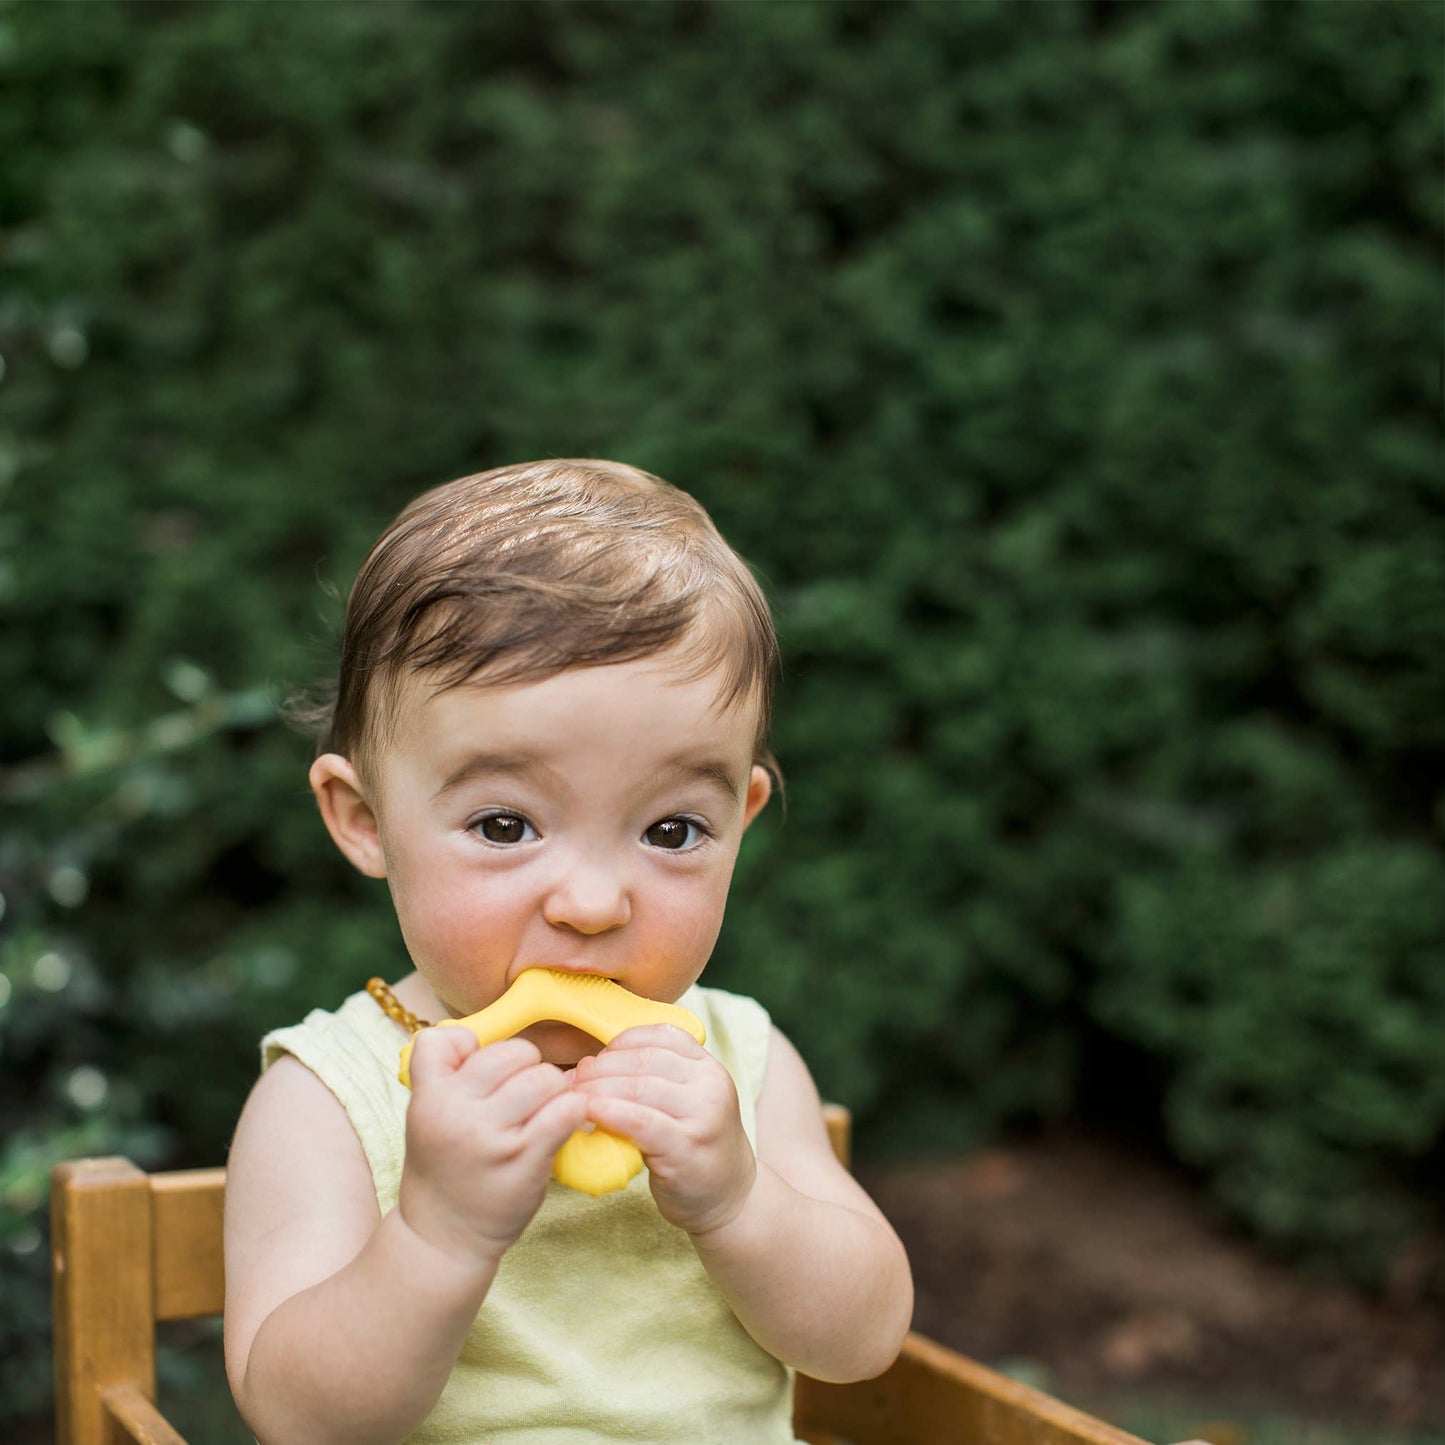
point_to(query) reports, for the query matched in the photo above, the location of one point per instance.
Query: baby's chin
(561, 1044)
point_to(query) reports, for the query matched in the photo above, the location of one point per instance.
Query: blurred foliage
(1071, 374)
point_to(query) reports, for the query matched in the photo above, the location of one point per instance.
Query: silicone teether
(595, 1162)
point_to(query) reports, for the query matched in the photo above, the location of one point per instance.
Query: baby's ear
(760, 789)
(347, 813)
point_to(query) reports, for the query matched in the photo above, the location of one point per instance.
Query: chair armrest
(137, 1417)
(932, 1395)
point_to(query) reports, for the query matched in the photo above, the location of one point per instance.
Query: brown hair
(518, 573)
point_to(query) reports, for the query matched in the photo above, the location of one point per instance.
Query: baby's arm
(342, 1325)
(809, 1264)
(802, 1254)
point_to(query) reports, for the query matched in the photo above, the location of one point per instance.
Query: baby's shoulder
(288, 1099)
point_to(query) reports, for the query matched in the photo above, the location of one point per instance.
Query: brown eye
(674, 834)
(504, 828)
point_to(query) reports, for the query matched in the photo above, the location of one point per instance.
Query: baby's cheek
(447, 922)
(693, 924)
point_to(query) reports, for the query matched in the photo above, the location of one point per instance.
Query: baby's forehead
(663, 697)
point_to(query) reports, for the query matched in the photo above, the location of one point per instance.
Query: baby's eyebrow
(703, 771)
(524, 764)
(477, 765)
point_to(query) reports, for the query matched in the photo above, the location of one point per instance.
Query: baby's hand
(678, 1105)
(481, 1130)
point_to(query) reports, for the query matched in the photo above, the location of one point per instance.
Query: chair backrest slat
(190, 1275)
(840, 1132)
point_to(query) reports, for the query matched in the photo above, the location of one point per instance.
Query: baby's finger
(517, 1098)
(657, 1036)
(438, 1053)
(651, 1130)
(490, 1067)
(652, 1059)
(664, 1095)
(554, 1122)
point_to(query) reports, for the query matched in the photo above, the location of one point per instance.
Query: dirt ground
(1105, 1271)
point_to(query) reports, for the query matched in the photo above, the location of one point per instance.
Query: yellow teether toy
(596, 1162)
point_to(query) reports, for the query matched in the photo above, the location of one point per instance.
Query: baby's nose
(589, 898)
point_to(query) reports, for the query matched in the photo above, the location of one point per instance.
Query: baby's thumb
(437, 1052)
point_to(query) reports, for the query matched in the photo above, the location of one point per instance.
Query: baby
(549, 736)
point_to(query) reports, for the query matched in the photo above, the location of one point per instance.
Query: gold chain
(391, 1006)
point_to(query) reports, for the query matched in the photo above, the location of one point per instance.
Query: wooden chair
(131, 1249)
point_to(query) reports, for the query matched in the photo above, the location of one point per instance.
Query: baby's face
(588, 822)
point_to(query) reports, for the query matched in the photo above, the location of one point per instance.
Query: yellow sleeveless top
(601, 1324)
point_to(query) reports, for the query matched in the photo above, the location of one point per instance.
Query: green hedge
(1071, 374)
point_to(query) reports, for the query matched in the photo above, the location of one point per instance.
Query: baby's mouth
(561, 1044)
(579, 1003)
